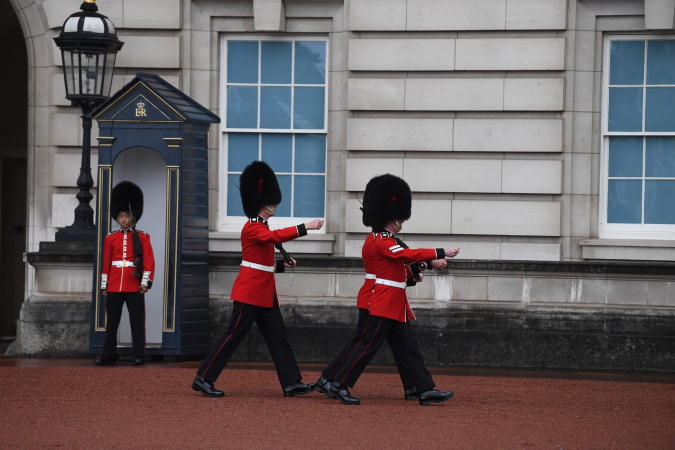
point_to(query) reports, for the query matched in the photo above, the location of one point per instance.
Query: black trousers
(136, 306)
(402, 340)
(349, 347)
(271, 326)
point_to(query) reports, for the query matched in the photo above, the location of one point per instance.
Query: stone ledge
(628, 249)
(69, 252)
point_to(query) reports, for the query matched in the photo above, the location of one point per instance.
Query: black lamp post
(88, 44)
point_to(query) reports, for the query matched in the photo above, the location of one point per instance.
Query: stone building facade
(537, 136)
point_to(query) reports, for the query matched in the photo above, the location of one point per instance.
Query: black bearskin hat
(366, 196)
(126, 195)
(259, 187)
(390, 199)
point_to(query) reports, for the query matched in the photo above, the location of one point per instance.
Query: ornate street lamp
(88, 44)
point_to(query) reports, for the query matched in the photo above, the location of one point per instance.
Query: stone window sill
(310, 244)
(628, 249)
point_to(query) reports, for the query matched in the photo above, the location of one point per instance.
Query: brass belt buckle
(125, 263)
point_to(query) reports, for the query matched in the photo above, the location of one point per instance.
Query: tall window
(274, 99)
(638, 189)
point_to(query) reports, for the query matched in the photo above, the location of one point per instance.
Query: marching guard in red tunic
(388, 207)
(127, 272)
(254, 292)
(363, 304)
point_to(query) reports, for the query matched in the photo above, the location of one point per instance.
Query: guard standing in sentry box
(388, 207)
(413, 272)
(126, 273)
(254, 292)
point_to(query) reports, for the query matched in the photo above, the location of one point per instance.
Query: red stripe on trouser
(357, 359)
(343, 361)
(228, 338)
(144, 344)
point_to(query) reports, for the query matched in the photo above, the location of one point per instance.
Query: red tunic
(363, 300)
(390, 260)
(118, 251)
(254, 286)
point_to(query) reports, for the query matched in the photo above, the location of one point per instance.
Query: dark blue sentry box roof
(149, 98)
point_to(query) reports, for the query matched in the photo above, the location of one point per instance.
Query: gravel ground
(147, 407)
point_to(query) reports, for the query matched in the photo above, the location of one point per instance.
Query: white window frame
(615, 230)
(234, 223)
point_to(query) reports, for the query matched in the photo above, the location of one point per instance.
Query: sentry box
(156, 136)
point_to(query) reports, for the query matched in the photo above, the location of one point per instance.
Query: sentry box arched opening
(156, 136)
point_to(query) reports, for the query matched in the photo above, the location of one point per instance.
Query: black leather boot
(298, 388)
(343, 395)
(104, 361)
(434, 396)
(411, 394)
(323, 386)
(206, 387)
(139, 361)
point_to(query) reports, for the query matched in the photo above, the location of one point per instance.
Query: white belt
(271, 269)
(370, 276)
(400, 285)
(124, 263)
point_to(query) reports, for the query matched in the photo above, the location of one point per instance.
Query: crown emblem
(140, 104)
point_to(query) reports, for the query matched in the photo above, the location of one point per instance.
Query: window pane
(309, 108)
(660, 114)
(284, 208)
(276, 61)
(309, 196)
(624, 201)
(275, 107)
(661, 62)
(627, 62)
(242, 150)
(660, 157)
(625, 109)
(277, 151)
(625, 156)
(242, 107)
(242, 62)
(310, 63)
(234, 207)
(660, 202)
(310, 153)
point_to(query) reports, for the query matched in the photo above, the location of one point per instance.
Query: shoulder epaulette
(116, 231)
(143, 232)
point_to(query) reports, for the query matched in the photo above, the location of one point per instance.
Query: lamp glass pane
(109, 71)
(69, 72)
(88, 72)
(93, 25)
